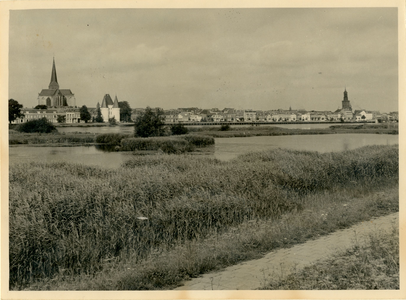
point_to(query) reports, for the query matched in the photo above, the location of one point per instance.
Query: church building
(54, 96)
(109, 109)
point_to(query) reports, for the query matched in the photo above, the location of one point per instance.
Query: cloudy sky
(257, 58)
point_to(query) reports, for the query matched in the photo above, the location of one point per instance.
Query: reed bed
(74, 220)
(51, 138)
(178, 144)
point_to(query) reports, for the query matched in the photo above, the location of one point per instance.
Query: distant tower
(346, 103)
(54, 96)
(110, 109)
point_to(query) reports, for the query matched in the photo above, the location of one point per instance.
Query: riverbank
(236, 131)
(172, 217)
(86, 139)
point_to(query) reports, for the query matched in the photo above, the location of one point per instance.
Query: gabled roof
(47, 92)
(66, 92)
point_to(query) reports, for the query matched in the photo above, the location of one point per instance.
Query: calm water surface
(224, 149)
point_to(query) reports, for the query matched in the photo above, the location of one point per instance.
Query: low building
(72, 115)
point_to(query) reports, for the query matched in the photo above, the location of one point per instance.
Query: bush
(111, 138)
(167, 145)
(225, 127)
(40, 125)
(178, 129)
(199, 140)
(112, 121)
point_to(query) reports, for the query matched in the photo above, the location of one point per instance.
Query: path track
(253, 274)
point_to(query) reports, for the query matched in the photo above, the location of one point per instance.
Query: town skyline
(259, 59)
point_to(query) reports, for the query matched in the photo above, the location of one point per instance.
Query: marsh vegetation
(161, 219)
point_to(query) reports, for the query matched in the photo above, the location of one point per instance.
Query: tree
(14, 110)
(99, 117)
(41, 107)
(178, 129)
(150, 123)
(61, 118)
(112, 121)
(125, 111)
(84, 114)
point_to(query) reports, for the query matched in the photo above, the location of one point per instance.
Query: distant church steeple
(346, 103)
(53, 85)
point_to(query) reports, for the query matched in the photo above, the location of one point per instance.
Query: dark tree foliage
(84, 114)
(225, 127)
(14, 110)
(178, 129)
(41, 125)
(150, 123)
(112, 121)
(125, 111)
(99, 117)
(61, 119)
(41, 107)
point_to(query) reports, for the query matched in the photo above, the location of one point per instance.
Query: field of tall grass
(161, 219)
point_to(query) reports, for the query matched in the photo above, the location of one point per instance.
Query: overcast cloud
(264, 58)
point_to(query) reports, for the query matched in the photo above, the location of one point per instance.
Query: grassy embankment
(75, 227)
(374, 266)
(114, 141)
(237, 131)
(82, 139)
(52, 139)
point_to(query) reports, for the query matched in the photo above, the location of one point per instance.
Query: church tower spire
(53, 85)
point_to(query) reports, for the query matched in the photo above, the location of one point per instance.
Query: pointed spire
(115, 105)
(53, 85)
(98, 105)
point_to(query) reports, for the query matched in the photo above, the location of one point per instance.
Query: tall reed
(71, 219)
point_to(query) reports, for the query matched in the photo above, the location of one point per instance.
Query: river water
(224, 149)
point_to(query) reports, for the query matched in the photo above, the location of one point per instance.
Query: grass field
(374, 266)
(161, 219)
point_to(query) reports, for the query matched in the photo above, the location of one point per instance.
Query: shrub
(225, 127)
(61, 118)
(112, 121)
(167, 145)
(40, 125)
(199, 140)
(111, 138)
(178, 129)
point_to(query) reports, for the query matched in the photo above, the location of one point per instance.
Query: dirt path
(253, 274)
